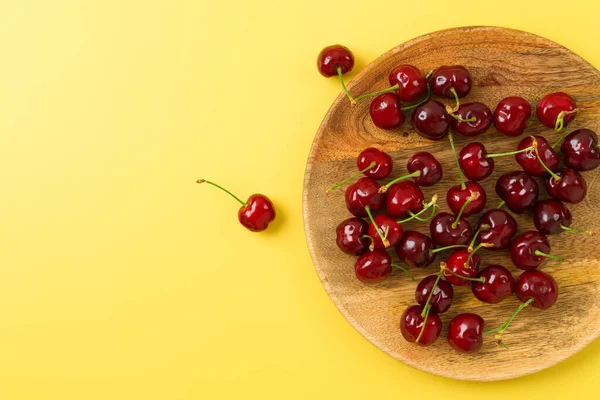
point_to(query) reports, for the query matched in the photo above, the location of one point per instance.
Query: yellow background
(120, 278)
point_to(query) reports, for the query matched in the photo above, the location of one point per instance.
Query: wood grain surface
(503, 62)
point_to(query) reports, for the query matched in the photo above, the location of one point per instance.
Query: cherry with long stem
(427, 306)
(500, 329)
(382, 236)
(356, 175)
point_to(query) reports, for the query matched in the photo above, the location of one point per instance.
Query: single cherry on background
(552, 216)
(415, 249)
(363, 193)
(429, 168)
(556, 110)
(465, 333)
(475, 162)
(371, 162)
(580, 149)
(350, 236)
(511, 115)
(529, 250)
(539, 286)
(415, 327)
(501, 228)
(570, 188)
(255, 214)
(336, 60)
(518, 190)
(384, 230)
(431, 120)
(451, 81)
(448, 230)
(441, 293)
(498, 284)
(412, 84)
(471, 119)
(403, 198)
(385, 111)
(539, 159)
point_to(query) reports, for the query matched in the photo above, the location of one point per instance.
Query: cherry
(336, 60)
(373, 267)
(431, 120)
(462, 266)
(363, 193)
(385, 231)
(471, 119)
(465, 333)
(383, 163)
(441, 298)
(530, 249)
(411, 82)
(571, 188)
(511, 115)
(552, 216)
(350, 236)
(475, 162)
(500, 228)
(430, 169)
(451, 81)
(385, 111)
(581, 150)
(518, 190)
(404, 198)
(556, 110)
(498, 285)
(540, 159)
(539, 286)
(415, 327)
(448, 230)
(256, 213)
(415, 249)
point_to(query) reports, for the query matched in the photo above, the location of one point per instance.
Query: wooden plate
(503, 62)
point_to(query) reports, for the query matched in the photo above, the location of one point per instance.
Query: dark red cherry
(550, 216)
(414, 249)
(431, 120)
(499, 284)
(411, 324)
(529, 250)
(363, 193)
(430, 169)
(333, 57)
(581, 151)
(385, 111)
(383, 163)
(465, 333)
(403, 197)
(445, 234)
(373, 267)
(350, 236)
(441, 300)
(457, 196)
(550, 106)
(389, 228)
(511, 115)
(457, 263)
(411, 82)
(528, 160)
(467, 112)
(446, 78)
(518, 190)
(539, 286)
(571, 188)
(502, 228)
(474, 162)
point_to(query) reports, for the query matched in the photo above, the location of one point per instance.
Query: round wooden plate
(503, 62)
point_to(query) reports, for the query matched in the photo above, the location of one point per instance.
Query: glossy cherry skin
(456, 197)
(349, 236)
(373, 267)
(456, 263)
(523, 248)
(549, 215)
(474, 163)
(570, 188)
(258, 213)
(443, 234)
(411, 81)
(385, 224)
(385, 111)
(465, 333)
(553, 104)
(529, 161)
(511, 115)
(502, 228)
(403, 197)
(411, 324)
(447, 77)
(383, 163)
(580, 149)
(332, 57)
(482, 115)
(429, 167)
(363, 193)
(414, 249)
(499, 284)
(537, 285)
(441, 300)
(518, 190)
(431, 120)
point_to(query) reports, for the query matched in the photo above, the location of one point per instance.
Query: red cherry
(502, 227)
(415, 249)
(373, 267)
(530, 249)
(539, 286)
(412, 322)
(333, 57)
(256, 213)
(518, 190)
(442, 296)
(411, 82)
(363, 193)
(571, 188)
(403, 197)
(385, 111)
(529, 161)
(475, 118)
(457, 196)
(448, 79)
(465, 333)
(430, 170)
(383, 163)
(552, 216)
(581, 150)
(445, 232)
(388, 228)
(550, 107)
(474, 162)
(462, 263)
(349, 236)
(499, 284)
(431, 120)
(511, 115)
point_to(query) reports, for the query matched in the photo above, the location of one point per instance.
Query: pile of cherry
(387, 207)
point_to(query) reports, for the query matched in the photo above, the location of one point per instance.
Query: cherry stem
(560, 120)
(454, 246)
(502, 203)
(337, 185)
(505, 325)
(566, 228)
(390, 89)
(223, 189)
(341, 75)
(510, 153)
(427, 306)
(407, 272)
(444, 267)
(455, 109)
(406, 108)
(560, 139)
(384, 188)
(456, 117)
(432, 203)
(480, 245)
(371, 240)
(385, 242)
(462, 209)
(484, 227)
(541, 254)
(460, 174)
(537, 154)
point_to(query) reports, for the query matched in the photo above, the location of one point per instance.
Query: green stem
(454, 246)
(566, 228)
(400, 267)
(453, 91)
(560, 139)
(460, 174)
(510, 153)
(385, 242)
(456, 117)
(406, 108)
(337, 185)
(432, 203)
(390, 89)
(384, 188)
(505, 325)
(371, 240)
(341, 75)
(462, 209)
(484, 227)
(427, 306)
(537, 154)
(502, 203)
(539, 253)
(223, 189)
(466, 278)
(480, 245)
